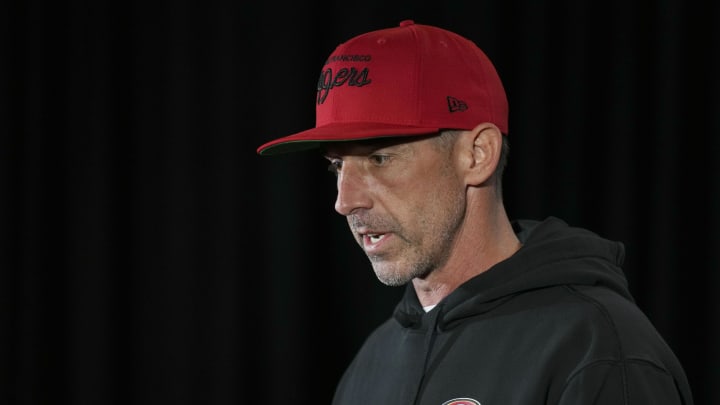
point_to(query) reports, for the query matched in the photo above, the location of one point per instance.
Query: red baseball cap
(403, 81)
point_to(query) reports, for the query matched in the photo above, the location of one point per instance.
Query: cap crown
(415, 75)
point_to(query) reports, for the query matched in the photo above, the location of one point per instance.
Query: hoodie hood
(553, 254)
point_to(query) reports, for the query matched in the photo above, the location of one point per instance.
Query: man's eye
(335, 166)
(379, 159)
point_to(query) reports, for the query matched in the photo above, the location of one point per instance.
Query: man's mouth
(375, 237)
(372, 242)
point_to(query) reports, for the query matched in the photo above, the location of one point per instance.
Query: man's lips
(372, 241)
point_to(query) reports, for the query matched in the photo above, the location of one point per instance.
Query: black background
(150, 256)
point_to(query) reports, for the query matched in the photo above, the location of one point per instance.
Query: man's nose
(352, 190)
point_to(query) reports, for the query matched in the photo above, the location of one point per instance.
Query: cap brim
(343, 132)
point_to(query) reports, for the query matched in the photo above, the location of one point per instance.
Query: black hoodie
(553, 324)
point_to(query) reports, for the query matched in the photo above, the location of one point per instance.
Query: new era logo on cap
(456, 105)
(403, 81)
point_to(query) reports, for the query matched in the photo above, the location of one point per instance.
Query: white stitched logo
(461, 401)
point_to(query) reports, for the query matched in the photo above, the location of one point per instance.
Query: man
(414, 122)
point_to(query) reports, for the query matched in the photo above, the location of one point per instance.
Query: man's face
(403, 200)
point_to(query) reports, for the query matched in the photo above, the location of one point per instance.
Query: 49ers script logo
(345, 76)
(461, 401)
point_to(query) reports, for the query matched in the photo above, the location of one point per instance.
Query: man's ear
(481, 152)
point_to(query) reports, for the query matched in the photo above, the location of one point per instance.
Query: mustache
(357, 221)
(364, 220)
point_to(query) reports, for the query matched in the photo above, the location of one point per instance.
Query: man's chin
(390, 275)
